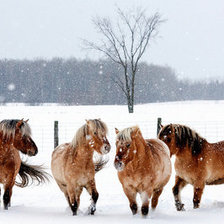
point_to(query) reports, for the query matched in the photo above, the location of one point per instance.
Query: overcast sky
(191, 40)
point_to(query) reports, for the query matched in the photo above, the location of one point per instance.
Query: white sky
(191, 41)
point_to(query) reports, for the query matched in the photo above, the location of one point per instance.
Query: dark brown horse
(72, 163)
(198, 162)
(15, 136)
(143, 166)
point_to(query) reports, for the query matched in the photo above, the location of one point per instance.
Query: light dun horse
(198, 162)
(15, 136)
(72, 163)
(143, 166)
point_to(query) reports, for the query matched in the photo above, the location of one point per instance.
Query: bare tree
(125, 43)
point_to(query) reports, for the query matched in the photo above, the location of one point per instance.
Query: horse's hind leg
(91, 188)
(155, 197)
(63, 188)
(179, 185)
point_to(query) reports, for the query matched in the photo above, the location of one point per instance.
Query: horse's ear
(26, 120)
(87, 121)
(116, 131)
(161, 126)
(19, 123)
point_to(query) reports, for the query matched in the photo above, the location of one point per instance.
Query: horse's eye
(128, 145)
(95, 133)
(168, 139)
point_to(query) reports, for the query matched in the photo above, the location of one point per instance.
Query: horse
(143, 167)
(73, 167)
(197, 162)
(15, 136)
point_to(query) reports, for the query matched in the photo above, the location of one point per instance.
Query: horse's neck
(84, 152)
(141, 146)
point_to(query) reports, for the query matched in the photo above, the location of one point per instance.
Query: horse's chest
(136, 180)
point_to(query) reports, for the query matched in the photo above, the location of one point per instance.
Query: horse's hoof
(91, 210)
(196, 206)
(180, 207)
(134, 208)
(145, 210)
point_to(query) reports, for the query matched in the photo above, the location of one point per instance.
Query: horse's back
(158, 145)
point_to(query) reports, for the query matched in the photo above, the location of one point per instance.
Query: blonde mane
(8, 127)
(82, 133)
(125, 134)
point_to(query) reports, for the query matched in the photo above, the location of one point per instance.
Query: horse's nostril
(107, 148)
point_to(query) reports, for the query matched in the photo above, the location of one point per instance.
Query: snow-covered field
(46, 204)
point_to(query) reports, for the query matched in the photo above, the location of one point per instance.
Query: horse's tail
(100, 163)
(31, 173)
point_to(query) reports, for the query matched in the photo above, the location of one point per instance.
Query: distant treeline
(73, 81)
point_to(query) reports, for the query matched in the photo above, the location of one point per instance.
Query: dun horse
(143, 166)
(15, 136)
(198, 162)
(72, 163)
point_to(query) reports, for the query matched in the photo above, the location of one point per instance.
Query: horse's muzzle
(31, 153)
(118, 165)
(105, 148)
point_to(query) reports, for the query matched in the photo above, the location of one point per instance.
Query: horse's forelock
(166, 130)
(125, 134)
(8, 127)
(97, 125)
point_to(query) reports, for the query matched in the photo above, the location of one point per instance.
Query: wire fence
(44, 135)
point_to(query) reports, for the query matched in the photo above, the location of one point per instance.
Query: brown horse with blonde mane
(143, 166)
(72, 163)
(198, 162)
(15, 136)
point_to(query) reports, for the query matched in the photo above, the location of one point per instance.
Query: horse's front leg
(145, 196)
(131, 195)
(179, 185)
(91, 188)
(198, 190)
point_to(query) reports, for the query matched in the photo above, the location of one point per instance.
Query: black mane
(185, 136)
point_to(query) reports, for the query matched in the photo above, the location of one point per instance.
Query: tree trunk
(131, 108)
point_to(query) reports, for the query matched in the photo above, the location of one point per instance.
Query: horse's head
(126, 146)
(167, 135)
(22, 139)
(96, 137)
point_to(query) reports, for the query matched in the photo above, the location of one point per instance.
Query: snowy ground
(46, 204)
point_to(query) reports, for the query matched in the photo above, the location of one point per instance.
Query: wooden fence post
(159, 122)
(55, 134)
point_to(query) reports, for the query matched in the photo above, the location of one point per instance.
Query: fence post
(55, 134)
(159, 122)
